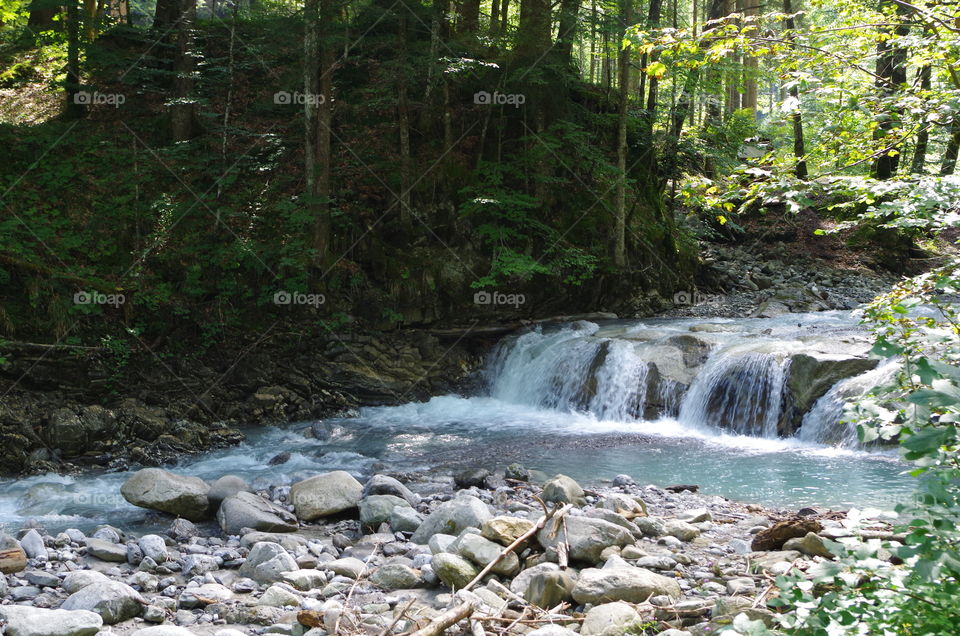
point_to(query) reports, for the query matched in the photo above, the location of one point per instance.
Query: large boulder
(505, 530)
(159, 489)
(587, 537)
(267, 562)
(396, 576)
(549, 589)
(324, 495)
(453, 517)
(484, 551)
(75, 581)
(23, 620)
(811, 375)
(247, 510)
(112, 600)
(227, 486)
(12, 557)
(622, 583)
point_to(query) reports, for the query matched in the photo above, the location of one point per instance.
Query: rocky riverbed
(329, 555)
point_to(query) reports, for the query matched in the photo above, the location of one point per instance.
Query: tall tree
(918, 166)
(891, 76)
(74, 108)
(624, 75)
(318, 67)
(183, 109)
(533, 36)
(653, 23)
(796, 116)
(567, 31)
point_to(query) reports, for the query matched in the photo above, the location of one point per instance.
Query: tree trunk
(504, 16)
(74, 107)
(713, 78)
(494, 17)
(41, 17)
(796, 117)
(752, 8)
(923, 137)
(949, 163)
(166, 14)
(182, 112)
(653, 23)
(892, 74)
(468, 22)
(568, 30)
(318, 51)
(533, 38)
(403, 120)
(90, 19)
(620, 226)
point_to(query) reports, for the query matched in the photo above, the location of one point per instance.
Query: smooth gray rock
(159, 489)
(163, 630)
(453, 517)
(377, 509)
(75, 581)
(521, 581)
(587, 537)
(112, 600)
(606, 616)
(384, 485)
(396, 576)
(203, 595)
(106, 551)
(24, 620)
(453, 570)
(483, 551)
(405, 519)
(634, 585)
(247, 510)
(153, 546)
(324, 495)
(563, 489)
(680, 529)
(226, 486)
(549, 589)
(267, 562)
(32, 544)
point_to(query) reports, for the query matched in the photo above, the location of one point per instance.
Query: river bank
(331, 555)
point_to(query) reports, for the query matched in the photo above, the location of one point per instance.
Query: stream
(678, 401)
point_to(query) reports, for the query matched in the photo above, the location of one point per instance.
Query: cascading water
(739, 391)
(824, 422)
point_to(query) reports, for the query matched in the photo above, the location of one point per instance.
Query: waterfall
(621, 383)
(740, 391)
(823, 423)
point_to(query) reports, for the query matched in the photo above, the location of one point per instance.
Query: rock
(562, 489)
(203, 595)
(811, 544)
(453, 570)
(741, 585)
(505, 530)
(774, 537)
(695, 515)
(279, 458)
(227, 486)
(23, 620)
(247, 510)
(587, 537)
(471, 478)
(12, 557)
(775, 563)
(396, 576)
(306, 579)
(78, 580)
(650, 526)
(384, 485)
(680, 529)
(349, 567)
(181, 530)
(517, 473)
(196, 564)
(158, 489)
(324, 495)
(441, 542)
(549, 589)
(812, 374)
(624, 583)
(41, 578)
(32, 544)
(621, 504)
(609, 616)
(483, 551)
(267, 562)
(377, 509)
(153, 546)
(164, 630)
(280, 596)
(106, 551)
(405, 519)
(112, 600)
(521, 581)
(623, 480)
(453, 517)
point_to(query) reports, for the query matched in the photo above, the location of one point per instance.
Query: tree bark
(533, 38)
(74, 109)
(568, 30)
(404, 119)
(182, 112)
(653, 23)
(796, 117)
(923, 137)
(713, 110)
(620, 225)
(468, 22)
(892, 74)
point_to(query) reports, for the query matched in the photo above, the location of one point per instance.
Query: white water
(566, 400)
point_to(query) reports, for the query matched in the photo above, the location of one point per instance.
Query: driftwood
(442, 622)
(556, 512)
